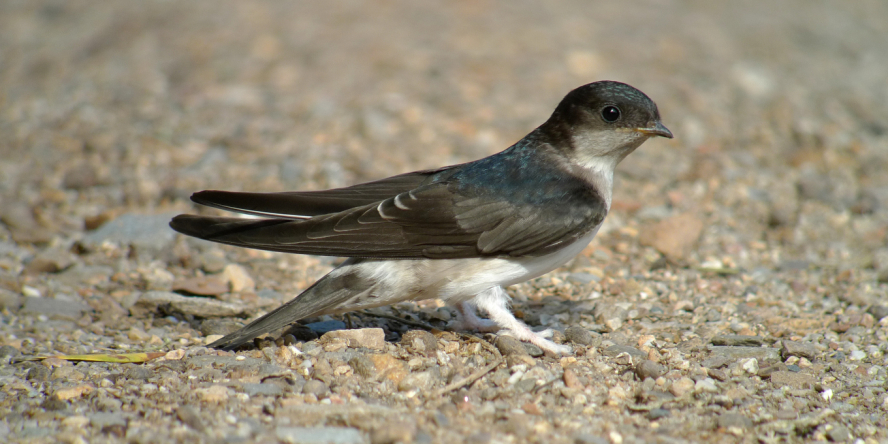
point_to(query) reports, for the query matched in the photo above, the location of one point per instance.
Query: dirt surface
(737, 293)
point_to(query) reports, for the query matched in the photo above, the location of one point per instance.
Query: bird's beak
(656, 130)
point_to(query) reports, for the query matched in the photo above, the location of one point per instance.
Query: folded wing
(431, 221)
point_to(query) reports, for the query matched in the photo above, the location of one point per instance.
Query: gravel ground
(737, 293)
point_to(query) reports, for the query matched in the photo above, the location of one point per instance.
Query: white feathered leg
(495, 302)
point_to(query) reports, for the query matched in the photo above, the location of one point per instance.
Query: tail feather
(324, 297)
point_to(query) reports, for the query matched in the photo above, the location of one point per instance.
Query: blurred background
(779, 109)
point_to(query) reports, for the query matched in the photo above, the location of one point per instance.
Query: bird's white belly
(452, 280)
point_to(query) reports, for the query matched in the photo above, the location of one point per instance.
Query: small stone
(392, 432)
(673, 237)
(786, 414)
(319, 435)
(734, 421)
(421, 381)
(8, 351)
(76, 421)
(510, 346)
(238, 278)
(586, 438)
(801, 349)
(655, 414)
(571, 380)
(56, 308)
(616, 395)
(389, 367)
(9, 300)
(857, 355)
(578, 335)
(372, 338)
(879, 311)
(213, 261)
(81, 176)
(315, 387)
(189, 417)
(152, 301)
(750, 365)
(838, 433)
(52, 260)
(420, 342)
(681, 387)
(648, 369)
(615, 350)
(706, 385)
(38, 373)
(201, 286)
(362, 366)
(717, 374)
(737, 341)
(731, 354)
(262, 389)
(150, 233)
(102, 420)
(216, 394)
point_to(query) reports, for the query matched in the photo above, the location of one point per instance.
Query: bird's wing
(306, 204)
(433, 221)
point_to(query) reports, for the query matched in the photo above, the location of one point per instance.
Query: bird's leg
(470, 321)
(495, 302)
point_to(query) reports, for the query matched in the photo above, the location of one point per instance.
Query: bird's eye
(610, 113)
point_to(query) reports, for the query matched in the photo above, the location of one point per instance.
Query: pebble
(615, 350)
(578, 335)
(750, 365)
(737, 341)
(648, 369)
(509, 346)
(800, 349)
(674, 236)
(102, 420)
(362, 366)
(736, 353)
(238, 278)
(190, 417)
(838, 433)
(257, 389)
(145, 232)
(654, 414)
(879, 311)
(320, 435)
(149, 302)
(681, 386)
(9, 300)
(706, 385)
(315, 387)
(420, 342)
(857, 355)
(56, 308)
(203, 286)
(421, 381)
(51, 260)
(392, 432)
(733, 420)
(372, 338)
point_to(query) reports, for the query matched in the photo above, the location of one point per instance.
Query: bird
(460, 233)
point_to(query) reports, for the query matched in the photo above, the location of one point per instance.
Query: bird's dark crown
(581, 109)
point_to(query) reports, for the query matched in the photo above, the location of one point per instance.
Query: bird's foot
(495, 303)
(540, 339)
(468, 320)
